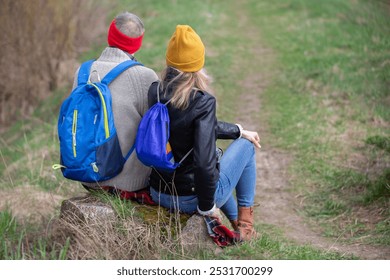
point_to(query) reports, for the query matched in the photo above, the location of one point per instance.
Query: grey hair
(129, 24)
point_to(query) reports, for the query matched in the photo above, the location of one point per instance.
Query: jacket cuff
(240, 128)
(208, 212)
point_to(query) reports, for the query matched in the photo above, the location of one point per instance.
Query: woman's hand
(252, 136)
(214, 213)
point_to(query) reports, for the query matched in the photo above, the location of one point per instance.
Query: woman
(201, 183)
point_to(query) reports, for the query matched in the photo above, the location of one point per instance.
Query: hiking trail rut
(278, 204)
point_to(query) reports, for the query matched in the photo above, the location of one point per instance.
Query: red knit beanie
(117, 39)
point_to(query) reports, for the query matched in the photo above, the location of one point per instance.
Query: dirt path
(277, 203)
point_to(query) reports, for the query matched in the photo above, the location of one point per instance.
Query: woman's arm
(227, 130)
(205, 173)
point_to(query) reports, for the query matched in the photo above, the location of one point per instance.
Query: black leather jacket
(195, 127)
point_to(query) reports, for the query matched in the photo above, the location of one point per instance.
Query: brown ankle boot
(245, 223)
(234, 224)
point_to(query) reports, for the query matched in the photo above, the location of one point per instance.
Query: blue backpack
(152, 140)
(89, 145)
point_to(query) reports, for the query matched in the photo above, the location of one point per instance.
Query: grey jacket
(129, 103)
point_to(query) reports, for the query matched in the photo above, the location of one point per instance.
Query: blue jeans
(237, 173)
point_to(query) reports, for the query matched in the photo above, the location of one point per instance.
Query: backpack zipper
(94, 167)
(74, 130)
(106, 129)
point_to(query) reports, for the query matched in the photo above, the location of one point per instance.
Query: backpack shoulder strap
(158, 100)
(158, 94)
(158, 91)
(185, 156)
(84, 70)
(130, 152)
(117, 70)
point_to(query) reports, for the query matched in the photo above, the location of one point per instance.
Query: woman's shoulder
(204, 96)
(203, 99)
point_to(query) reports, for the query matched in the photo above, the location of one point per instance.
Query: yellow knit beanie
(185, 50)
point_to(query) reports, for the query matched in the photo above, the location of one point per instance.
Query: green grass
(27, 242)
(329, 106)
(379, 141)
(272, 245)
(28, 154)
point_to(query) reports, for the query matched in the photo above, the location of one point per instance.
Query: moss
(147, 214)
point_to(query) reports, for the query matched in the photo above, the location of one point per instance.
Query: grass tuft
(380, 142)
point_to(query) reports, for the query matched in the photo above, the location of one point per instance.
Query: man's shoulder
(145, 69)
(113, 56)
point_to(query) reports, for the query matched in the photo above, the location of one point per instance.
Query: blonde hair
(184, 85)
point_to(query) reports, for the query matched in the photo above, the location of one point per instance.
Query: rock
(91, 210)
(86, 209)
(194, 235)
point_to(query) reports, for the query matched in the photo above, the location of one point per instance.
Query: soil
(28, 203)
(277, 203)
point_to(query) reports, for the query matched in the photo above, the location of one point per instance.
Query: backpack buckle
(97, 74)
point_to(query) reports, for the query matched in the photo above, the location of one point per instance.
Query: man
(129, 98)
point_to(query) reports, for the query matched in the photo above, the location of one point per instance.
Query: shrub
(38, 40)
